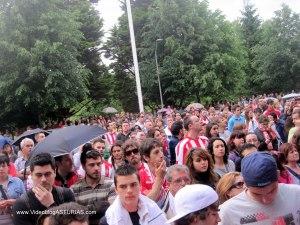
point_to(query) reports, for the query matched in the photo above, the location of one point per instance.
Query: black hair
(4, 159)
(209, 127)
(76, 213)
(88, 153)
(210, 148)
(148, 144)
(125, 170)
(257, 110)
(42, 159)
(245, 147)
(118, 143)
(176, 127)
(201, 214)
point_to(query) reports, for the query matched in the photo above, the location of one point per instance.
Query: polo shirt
(95, 199)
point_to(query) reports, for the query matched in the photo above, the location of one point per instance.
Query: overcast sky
(110, 10)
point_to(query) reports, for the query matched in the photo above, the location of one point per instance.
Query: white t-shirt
(285, 210)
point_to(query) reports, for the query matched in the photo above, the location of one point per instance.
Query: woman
(289, 156)
(230, 185)
(11, 188)
(212, 130)
(219, 151)
(117, 157)
(201, 167)
(235, 142)
(265, 134)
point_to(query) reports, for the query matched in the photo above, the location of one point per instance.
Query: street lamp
(157, 72)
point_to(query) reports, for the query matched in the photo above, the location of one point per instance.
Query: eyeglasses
(238, 185)
(179, 180)
(129, 152)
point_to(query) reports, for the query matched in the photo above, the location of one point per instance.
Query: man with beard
(43, 195)
(132, 154)
(94, 191)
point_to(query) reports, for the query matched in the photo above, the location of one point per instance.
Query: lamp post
(157, 72)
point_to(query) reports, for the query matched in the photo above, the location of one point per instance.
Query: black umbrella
(67, 139)
(29, 134)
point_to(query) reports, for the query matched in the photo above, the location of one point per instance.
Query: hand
(161, 170)
(43, 195)
(3, 204)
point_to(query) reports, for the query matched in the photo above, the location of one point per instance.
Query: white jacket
(149, 212)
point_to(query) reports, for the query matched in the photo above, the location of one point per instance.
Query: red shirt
(71, 179)
(147, 179)
(110, 137)
(12, 170)
(184, 147)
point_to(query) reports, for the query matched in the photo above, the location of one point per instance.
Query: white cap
(192, 198)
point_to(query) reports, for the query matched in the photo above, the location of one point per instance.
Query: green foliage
(48, 58)
(200, 56)
(277, 54)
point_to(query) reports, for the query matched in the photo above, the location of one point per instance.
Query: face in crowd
(44, 176)
(128, 190)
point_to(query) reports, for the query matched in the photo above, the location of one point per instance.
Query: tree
(41, 75)
(277, 55)
(200, 57)
(251, 34)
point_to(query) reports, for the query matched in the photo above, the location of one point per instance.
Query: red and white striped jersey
(183, 148)
(111, 137)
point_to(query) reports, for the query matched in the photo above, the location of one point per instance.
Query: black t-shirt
(135, 218)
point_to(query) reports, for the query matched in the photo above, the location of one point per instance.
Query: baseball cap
(192, 198)
(259, 169)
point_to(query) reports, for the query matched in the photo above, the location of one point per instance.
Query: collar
(121, 211)
(85, 184)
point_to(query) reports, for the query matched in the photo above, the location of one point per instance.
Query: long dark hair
(208, 129)
(209, 175)
(210, 149)
(235, 134)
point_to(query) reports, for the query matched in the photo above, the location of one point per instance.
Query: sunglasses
(134, 151)
(238, 185)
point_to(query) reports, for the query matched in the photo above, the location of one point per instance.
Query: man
(167, 130)
(193, 126)
(132, 154)
(177, 177)
(148, 125)
(75, 214)
(43, 195)
(251, 138)
(196, 204)
(93, 191)
(124, 135)
(130, 207)
(140, 121)
(264, 201)
(26, 146)
(111, 135)
(177, 135)
(65, 176)
(152, 174)
(39, 137)
(236, 119)
(253, 124)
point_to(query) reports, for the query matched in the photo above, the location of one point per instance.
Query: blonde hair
(224, 185)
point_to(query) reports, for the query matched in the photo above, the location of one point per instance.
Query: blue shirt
(15, 188)
(234, 120)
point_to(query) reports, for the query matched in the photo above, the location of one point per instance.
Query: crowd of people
(226, 165)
